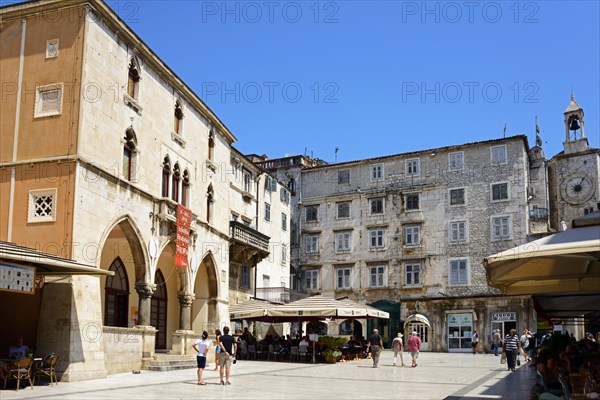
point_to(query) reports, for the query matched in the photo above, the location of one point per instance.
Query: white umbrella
(567, 261)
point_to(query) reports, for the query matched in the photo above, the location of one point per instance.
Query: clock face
(578, 189)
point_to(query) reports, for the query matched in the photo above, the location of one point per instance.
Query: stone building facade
(103, 150)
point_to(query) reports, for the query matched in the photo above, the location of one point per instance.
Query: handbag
(503, 358)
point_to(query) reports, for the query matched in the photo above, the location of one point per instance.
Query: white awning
(418, 318)
(45, 263)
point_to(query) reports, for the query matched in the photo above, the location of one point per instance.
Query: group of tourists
(413, 343)
(225, 350)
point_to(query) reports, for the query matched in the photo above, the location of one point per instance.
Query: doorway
(158, 311)
(460, 332)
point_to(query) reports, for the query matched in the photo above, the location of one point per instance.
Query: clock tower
(574, 172)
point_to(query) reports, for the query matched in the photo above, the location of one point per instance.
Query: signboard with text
(182, 240)
(16, 278)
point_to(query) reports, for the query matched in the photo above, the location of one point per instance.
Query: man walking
(414, 345)
(375, 344)
(228, 349)
(511, 348)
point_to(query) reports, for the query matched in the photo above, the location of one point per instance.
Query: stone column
(145, 292)
(185, 310)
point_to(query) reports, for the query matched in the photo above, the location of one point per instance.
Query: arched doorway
(204, 314)
(116, 305)
(420, 324)
(123, 254)
(158, 310)
(318, 327)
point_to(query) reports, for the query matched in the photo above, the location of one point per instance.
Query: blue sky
(380, 77)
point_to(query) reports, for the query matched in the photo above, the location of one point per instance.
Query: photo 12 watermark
(469, 92)
(254, 12)
(453, 12)
(270, 92)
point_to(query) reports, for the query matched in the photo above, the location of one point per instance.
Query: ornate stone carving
(186, 299)
(145, 290)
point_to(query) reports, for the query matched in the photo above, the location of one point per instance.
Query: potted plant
(330, 345)
(386, 342)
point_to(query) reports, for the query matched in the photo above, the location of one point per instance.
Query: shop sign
(15, 278)
(460, 319)
(506, 316)
(182, 240)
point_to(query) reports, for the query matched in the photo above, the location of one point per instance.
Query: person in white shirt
(201, 346)
(398, 347)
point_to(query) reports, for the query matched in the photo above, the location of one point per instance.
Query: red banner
(182, 241)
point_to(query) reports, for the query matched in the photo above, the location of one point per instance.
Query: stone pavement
(438, 376)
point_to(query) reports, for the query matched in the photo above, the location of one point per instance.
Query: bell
(574, 125)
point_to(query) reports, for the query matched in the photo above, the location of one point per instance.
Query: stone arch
(206, 291)
(133, 237)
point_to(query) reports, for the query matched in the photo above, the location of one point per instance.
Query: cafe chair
(47, 368)
(273, 354)
(251, 352)
(294, 354)
(19, 370)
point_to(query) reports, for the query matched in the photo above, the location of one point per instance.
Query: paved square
(438, 376)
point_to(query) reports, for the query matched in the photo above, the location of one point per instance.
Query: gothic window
(129, 150)
(133, 79)
(176, 180)
(178, 118)
(116, 305)
(166, 175)
(209, 203)
(185, 188)
(211, 145)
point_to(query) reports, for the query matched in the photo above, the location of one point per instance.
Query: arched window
(129, 149)
(185, 188)
(166, 175)
(292, 185)
(158, 310)
(176, 180)
(317, 327)
(116, 305)
(209, 203)
(211, 145)
(178, 118)
(133, 80)
(346, 327)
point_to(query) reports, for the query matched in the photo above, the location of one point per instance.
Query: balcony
(538, 213)
(247, 244)
(167, 217)
(279, 294)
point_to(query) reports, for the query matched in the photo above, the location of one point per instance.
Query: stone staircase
(168, 362)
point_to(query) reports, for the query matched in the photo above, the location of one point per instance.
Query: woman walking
(217, 348)
(201, 346)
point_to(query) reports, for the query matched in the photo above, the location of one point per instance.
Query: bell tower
(574, 129)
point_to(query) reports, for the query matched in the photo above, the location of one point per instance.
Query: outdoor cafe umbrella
(567, 261)
(319, 307)
(253, 309)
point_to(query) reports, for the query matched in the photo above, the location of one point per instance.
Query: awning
(254, 309)
(567, 261)
(318, 307)
(417, 318)
(45, 263)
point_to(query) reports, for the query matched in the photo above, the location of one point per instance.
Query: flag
(538, 138)
(505, 125)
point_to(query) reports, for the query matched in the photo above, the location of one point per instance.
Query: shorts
(473, 344)
(218, 349)
(224, 360)
(201, 361)
(414, 354)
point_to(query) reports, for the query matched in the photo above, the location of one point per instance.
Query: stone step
(168, 362)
